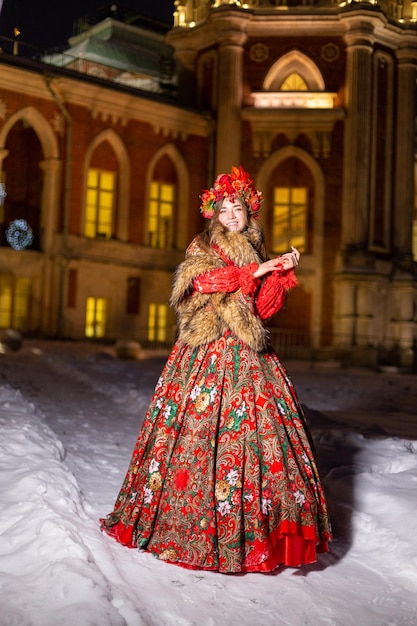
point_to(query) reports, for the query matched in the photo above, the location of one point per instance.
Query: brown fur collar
(206, 317)
(238, 247)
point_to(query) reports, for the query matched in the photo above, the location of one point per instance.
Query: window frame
(98, 227)
(294, 236)
(158, 237)
(95, 322)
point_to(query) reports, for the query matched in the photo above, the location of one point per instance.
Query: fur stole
(206, 317)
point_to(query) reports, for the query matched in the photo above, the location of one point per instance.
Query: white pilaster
(229, 131)
(357, 139)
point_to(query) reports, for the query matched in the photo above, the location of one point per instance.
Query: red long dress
(223, 476)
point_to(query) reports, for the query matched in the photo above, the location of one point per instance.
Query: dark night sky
(49, 23)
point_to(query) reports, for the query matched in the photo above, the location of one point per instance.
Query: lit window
(289, 218)
(161, 215)
(294, 82)
(6, 297)
(99, 204)
(157, 322)
(95, 318)
(14, 302)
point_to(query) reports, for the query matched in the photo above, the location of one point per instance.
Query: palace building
(106, 145)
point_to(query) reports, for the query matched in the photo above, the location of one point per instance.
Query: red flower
(181, 479)
(210, 380)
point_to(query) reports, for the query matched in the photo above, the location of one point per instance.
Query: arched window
(291, 193)
(294, 82)
(289, 218)
(296, 68)
(161, 214)
(162, 204)
(107, 180)
(23, 180)
(168, 167)
(100, 204)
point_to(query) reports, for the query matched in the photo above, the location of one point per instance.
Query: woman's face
(233, 216)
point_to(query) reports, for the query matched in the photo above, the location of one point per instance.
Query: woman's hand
(290, 259)
(283, 263)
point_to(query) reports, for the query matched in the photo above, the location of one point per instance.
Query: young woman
(223, 476)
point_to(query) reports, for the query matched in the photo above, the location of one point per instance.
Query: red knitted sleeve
(228, 279)
(271, 296)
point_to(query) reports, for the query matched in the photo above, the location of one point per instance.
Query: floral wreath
(237, 184)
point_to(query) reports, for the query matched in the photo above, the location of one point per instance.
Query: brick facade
(357, 294)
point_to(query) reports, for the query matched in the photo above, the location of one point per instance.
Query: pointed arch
(50, 165)
(312, 279)
(123, 178)
(40, 125)
(294, 62)
(183, 193)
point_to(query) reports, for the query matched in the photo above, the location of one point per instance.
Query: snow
(69, 417)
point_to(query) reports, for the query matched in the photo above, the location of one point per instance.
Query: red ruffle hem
(286, 548)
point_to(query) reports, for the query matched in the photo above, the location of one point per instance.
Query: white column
(229, 125)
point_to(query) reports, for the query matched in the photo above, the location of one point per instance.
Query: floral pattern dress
(223, 475)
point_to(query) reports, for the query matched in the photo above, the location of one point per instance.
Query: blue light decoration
(19, 235)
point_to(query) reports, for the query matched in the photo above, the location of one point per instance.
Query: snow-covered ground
(69, 417)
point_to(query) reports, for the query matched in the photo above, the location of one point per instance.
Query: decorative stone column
(50, 214)
(50, 201)
(357, 140)
(404, 155)
(354, 280)
(402, 322)
(229, 125)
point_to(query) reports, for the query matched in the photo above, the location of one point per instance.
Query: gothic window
(161, 214)
(99, 213)
(294, 71)
(23, 178)
(294, 82)
(289, 222)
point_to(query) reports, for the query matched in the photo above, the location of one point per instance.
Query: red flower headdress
(237, 184)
